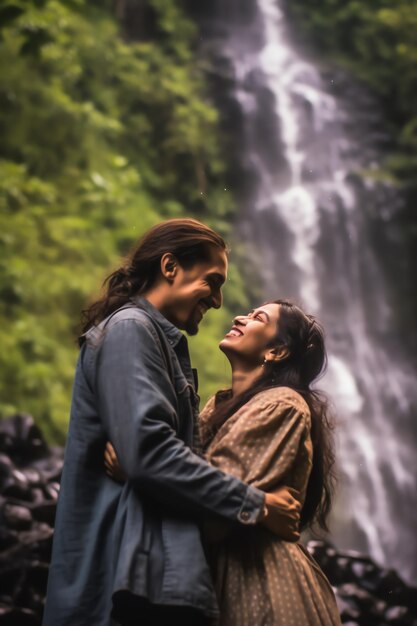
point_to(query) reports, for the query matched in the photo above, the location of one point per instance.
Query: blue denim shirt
(134, 387)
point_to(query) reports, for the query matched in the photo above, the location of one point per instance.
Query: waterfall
(307, 153)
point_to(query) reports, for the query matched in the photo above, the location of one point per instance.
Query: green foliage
(101, 138)
(377, 41)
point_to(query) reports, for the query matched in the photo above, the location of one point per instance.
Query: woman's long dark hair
(187, 239)
(304, 338)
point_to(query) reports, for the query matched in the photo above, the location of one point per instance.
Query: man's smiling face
(197, 289)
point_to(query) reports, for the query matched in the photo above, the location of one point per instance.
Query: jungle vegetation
(107, 126)
(106, 129)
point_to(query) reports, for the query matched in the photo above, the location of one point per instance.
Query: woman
(270, 428)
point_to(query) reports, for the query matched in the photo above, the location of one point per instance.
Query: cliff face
(29, 485)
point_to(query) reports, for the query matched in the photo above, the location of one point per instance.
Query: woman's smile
(234, 332)
(250, 336)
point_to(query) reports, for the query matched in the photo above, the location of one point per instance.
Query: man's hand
(282, 514)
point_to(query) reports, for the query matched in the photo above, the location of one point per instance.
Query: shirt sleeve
(136, 402)
(261, 446)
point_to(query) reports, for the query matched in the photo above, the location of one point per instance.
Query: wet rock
(8, 538)
(32, 476)
(18, 617)
(50, 468)
(37, 495)
(45, 512)
(51, 491)
(367, 595)
(21, 438)
(390, 587)
(30, 472)
(29, 486)
(17, 486)
(17, 517)
(346, 610)
(397, 615)
(6, 468)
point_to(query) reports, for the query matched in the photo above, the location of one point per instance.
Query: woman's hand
(111, 462)
(281, 514)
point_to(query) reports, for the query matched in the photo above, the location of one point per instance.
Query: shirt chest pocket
(186, 399)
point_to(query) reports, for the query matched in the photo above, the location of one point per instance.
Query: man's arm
(136, 404)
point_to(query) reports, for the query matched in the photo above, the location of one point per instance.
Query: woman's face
(251, 335)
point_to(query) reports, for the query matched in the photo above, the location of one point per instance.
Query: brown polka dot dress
(261, 580)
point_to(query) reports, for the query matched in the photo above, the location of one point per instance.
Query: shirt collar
(172, 332)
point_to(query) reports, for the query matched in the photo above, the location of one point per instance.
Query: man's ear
(169, 266)
(280, 353)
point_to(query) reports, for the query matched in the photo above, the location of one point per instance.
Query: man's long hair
(187, 239)
(304, 337)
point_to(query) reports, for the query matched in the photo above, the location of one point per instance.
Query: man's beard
(191, 327)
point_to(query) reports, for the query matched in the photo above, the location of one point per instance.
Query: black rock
(44, 512)
(51, 491)
(18, 617)
(8, 538)
(32, 476)
(30, 473)
(37, 576)
(50, 468)
(6, 468)
(367, 595)
(397, 615)
(17, 486)
(21, 438)
(17, 517)
(29, 486)
(393, 589)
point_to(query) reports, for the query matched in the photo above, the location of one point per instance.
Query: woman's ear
(169, 266)
(277, 354)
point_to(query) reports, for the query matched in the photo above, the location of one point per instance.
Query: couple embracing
(171, 517)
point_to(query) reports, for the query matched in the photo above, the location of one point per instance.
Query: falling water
(309, 159)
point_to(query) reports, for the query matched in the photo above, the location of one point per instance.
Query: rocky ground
(29, 484)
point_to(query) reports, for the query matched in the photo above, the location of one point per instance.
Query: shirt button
(245, 516)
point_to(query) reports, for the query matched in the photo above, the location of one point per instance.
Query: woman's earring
(264, 363)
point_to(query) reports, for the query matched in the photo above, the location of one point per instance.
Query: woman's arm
(268, 445)
(283, 522)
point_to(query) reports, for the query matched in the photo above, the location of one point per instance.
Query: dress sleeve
(261, 444)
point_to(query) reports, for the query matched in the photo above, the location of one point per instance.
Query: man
(132, 552)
